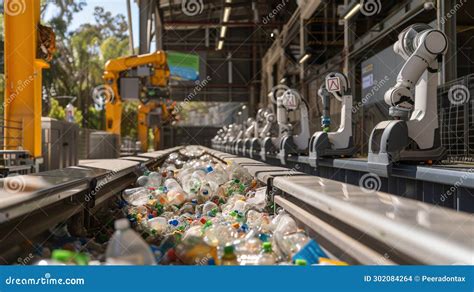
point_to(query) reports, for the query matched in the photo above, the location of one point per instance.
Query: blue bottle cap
(211, 262)
(194, 201)
(209, 169)
(174, 222)
(205, 192)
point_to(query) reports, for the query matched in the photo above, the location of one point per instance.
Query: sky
(87, 14)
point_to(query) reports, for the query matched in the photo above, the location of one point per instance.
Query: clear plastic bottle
(159, 224)
(154, 179)
(136, 196)
(210, 209)
(293, 242)
(126, 246)
(191, 184)
(143, 180)
(267, 256)
(216, 174)
(176, 195)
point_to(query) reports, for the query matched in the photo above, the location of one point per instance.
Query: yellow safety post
(23, 76)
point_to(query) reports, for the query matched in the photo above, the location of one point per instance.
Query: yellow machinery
(28, 45)
(144, 77)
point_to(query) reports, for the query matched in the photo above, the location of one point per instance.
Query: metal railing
(15, 131)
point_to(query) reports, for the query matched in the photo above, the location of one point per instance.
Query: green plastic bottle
(229, 258)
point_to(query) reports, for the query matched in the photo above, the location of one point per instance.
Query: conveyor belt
(448, 185)
(31, 204)
(358, 227)
(399, 229)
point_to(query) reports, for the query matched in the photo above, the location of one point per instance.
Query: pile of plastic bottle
(197, 210)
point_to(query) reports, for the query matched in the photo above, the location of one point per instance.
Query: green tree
(82, 54)
(56, 110)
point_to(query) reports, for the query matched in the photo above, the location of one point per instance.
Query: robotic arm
(416, 138)
(420, 45)
(149, 75)
(339, 143)
(267, 128)
(325, 99)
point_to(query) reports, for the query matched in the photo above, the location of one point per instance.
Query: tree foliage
(78, 64)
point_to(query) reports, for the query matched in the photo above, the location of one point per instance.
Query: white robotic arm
(414, 139)
(250, 128)
(420, 46)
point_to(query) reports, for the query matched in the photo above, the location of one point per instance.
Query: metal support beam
(144, 8)
(448, 26)
(130, 27)
(158, 27)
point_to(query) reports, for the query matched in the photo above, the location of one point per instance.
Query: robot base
(388, 144)
(238, 149)
(254, 147)
(287, 147)
(321, 147)
(268, 146)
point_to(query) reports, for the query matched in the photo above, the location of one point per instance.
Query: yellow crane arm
(120, 67)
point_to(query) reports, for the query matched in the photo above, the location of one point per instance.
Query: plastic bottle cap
(300, 262)
(121, 224)
(267, 246)
(205, 192)
(211, 262)
(62, 255)
(209, 169)
(229, 249)
(263, 237)
(174, 222)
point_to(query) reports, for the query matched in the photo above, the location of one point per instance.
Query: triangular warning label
(333, 84)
